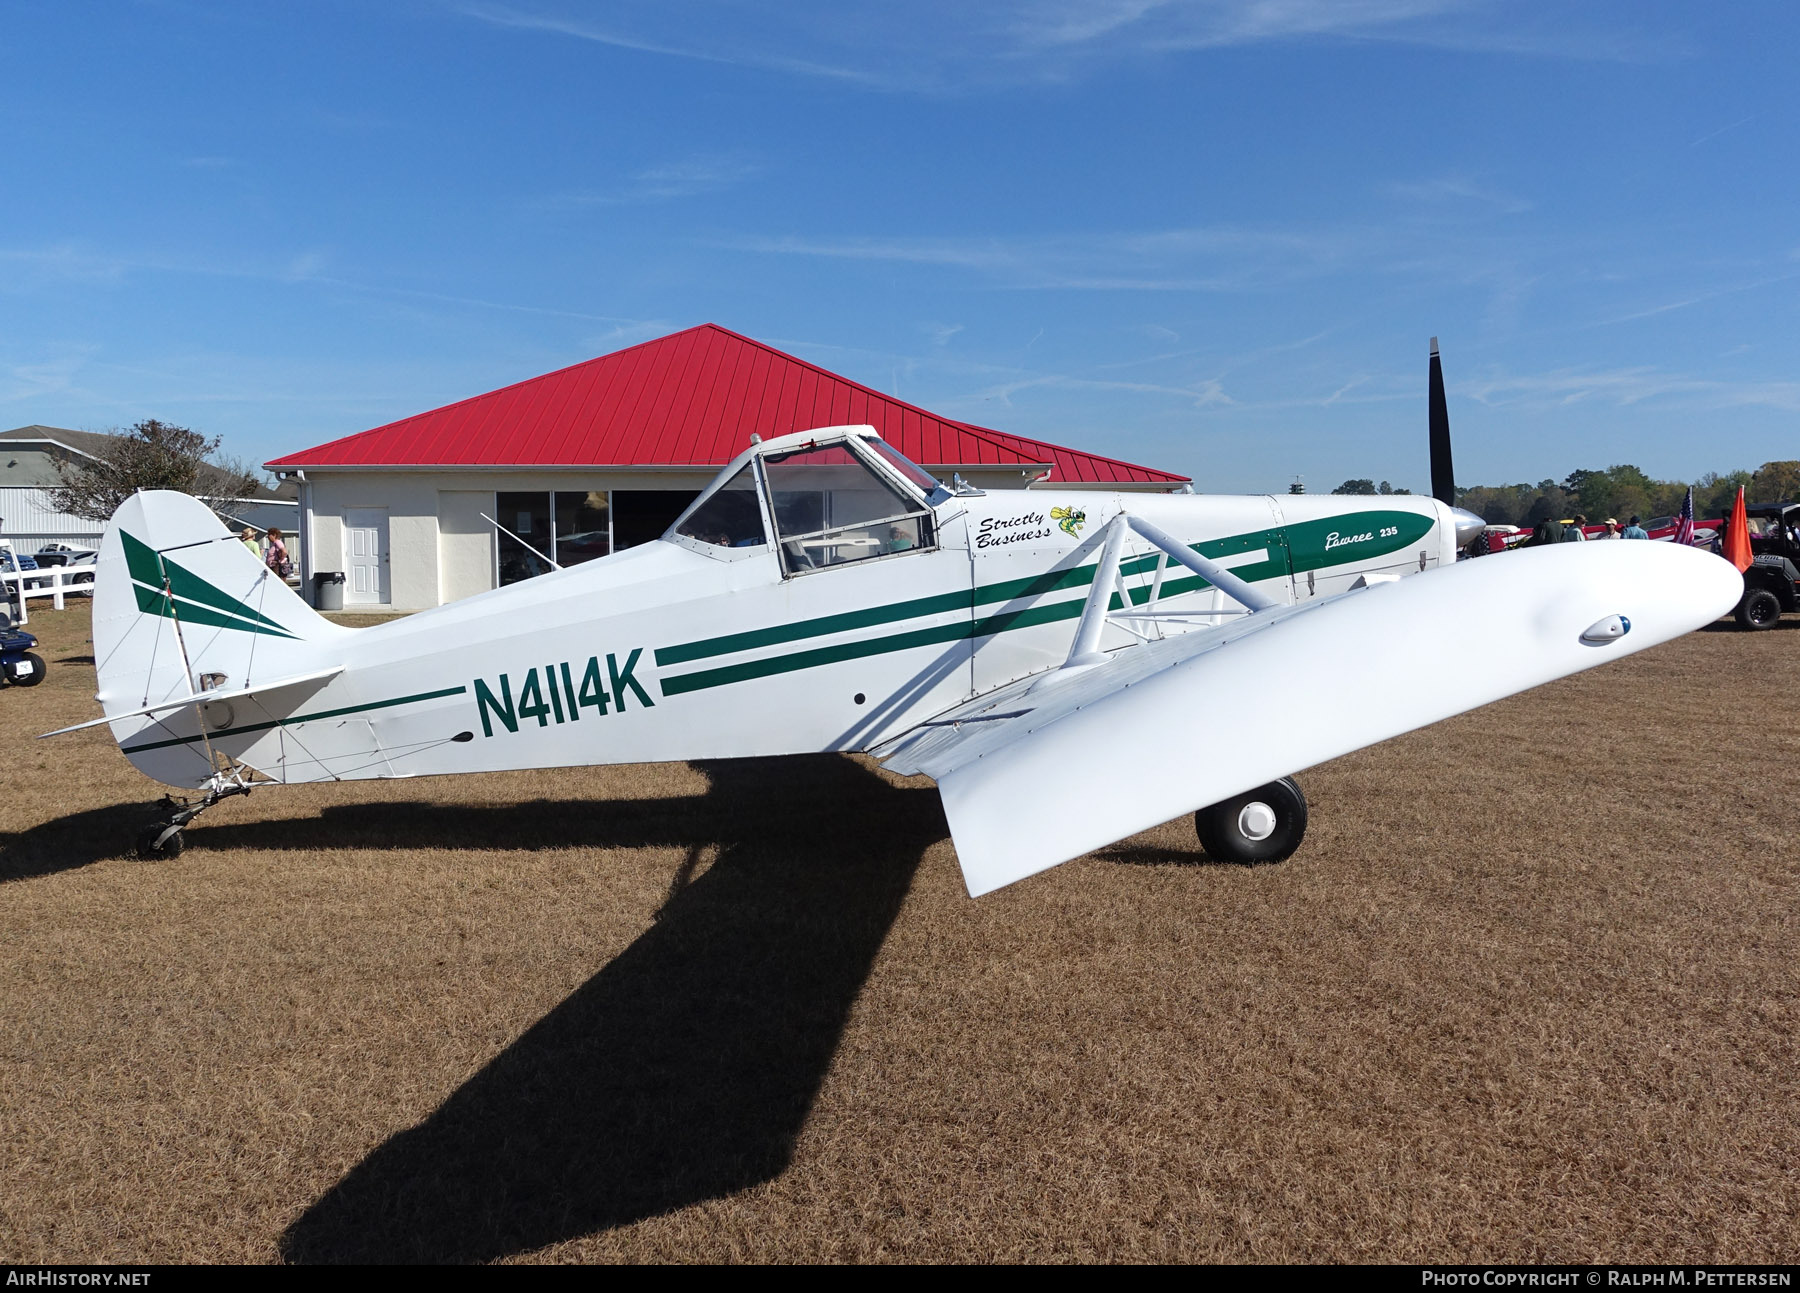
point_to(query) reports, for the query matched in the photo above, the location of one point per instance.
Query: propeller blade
(1443, 476)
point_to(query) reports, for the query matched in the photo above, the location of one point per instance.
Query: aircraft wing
(1050, 768)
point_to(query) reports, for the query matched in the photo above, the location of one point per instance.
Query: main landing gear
(163, 839)
(1262, 825)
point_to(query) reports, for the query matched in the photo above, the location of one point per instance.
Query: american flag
(1684, 524)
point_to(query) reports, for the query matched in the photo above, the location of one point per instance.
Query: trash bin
(328, 590)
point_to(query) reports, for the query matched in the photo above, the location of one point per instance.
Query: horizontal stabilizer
(318, 679)
(1054, 767)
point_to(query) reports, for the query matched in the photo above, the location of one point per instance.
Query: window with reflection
(582, 525)
(524, 553)
(831, 508)
(569, 525)
(731, 518)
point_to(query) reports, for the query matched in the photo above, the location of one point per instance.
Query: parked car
(64, 554)
(21, 562)
(80, 561)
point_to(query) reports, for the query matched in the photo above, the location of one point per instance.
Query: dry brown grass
(1529, 991)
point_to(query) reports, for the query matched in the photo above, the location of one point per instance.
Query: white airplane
(1070, 667)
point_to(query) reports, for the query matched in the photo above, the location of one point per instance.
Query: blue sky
(1212, 236)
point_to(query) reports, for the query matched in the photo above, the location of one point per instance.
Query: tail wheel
(1264, 825)
(151, 845)
(1760, 609)
(29, 671)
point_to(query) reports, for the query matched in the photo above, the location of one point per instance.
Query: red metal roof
(692, 398)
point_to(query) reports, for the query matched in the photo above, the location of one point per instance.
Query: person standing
(248, 536)
(1573, 533)
(1612, 528)
(275, 556)
(1635, 531)
(1543, 534)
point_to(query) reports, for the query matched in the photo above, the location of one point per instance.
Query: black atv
(1772, 583)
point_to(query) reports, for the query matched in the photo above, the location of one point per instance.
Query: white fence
(55, 582)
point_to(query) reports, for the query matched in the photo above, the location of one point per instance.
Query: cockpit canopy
(822, 498)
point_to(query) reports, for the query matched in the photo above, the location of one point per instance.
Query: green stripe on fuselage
(226, 733)
(1353, 536)
(1326, 542)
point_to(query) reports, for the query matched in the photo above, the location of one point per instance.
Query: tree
(150, 455)
(1355, 487)
(1775, 482)
(1551, 504)
(1588, 487)
(1714, 493)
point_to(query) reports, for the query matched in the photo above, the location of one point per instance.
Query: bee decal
(1071, 520)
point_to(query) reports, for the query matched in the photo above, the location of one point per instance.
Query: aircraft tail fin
(182, 607)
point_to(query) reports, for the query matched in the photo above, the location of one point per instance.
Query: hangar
(29, 517)
(604, 455)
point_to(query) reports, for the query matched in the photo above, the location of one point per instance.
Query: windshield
(731, 518)
(831, 508)
(907, 468)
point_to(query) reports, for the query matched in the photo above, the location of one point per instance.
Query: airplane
(1070, 667)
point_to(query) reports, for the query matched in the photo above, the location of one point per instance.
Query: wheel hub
(1256, 820)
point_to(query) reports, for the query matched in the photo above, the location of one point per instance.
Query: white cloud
(1177, 260)
(937, 46)
(667, 181)
(1625, 387)
(1458, 191)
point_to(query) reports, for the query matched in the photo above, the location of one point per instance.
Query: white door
(365, 556)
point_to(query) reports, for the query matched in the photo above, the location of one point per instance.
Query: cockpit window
(731, 517)
(910, 470)
(832, 508)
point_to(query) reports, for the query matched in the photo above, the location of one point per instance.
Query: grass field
(1530, 990)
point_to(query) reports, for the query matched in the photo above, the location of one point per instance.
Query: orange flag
(1736, 547)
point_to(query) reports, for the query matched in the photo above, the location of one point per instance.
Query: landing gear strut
(1263, 825)
(163, 839)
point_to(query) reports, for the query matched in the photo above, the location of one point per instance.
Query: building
(604, 455)
(28, 473)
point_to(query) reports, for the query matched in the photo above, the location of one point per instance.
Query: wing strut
(1085, 650)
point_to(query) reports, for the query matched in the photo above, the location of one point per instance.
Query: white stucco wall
(465, 543)
(439, 548)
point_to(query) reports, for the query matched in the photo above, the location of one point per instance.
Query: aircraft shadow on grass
(682, 1071)
(70, 842)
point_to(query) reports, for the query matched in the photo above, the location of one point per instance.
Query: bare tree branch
(150, 455)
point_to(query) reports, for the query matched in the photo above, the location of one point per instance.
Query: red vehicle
(1501, 537)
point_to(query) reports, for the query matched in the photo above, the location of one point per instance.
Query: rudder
(180, 606)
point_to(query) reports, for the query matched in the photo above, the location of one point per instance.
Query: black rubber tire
(1760, 609)
(34, 677)
(147, 847)
(1224, 840)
